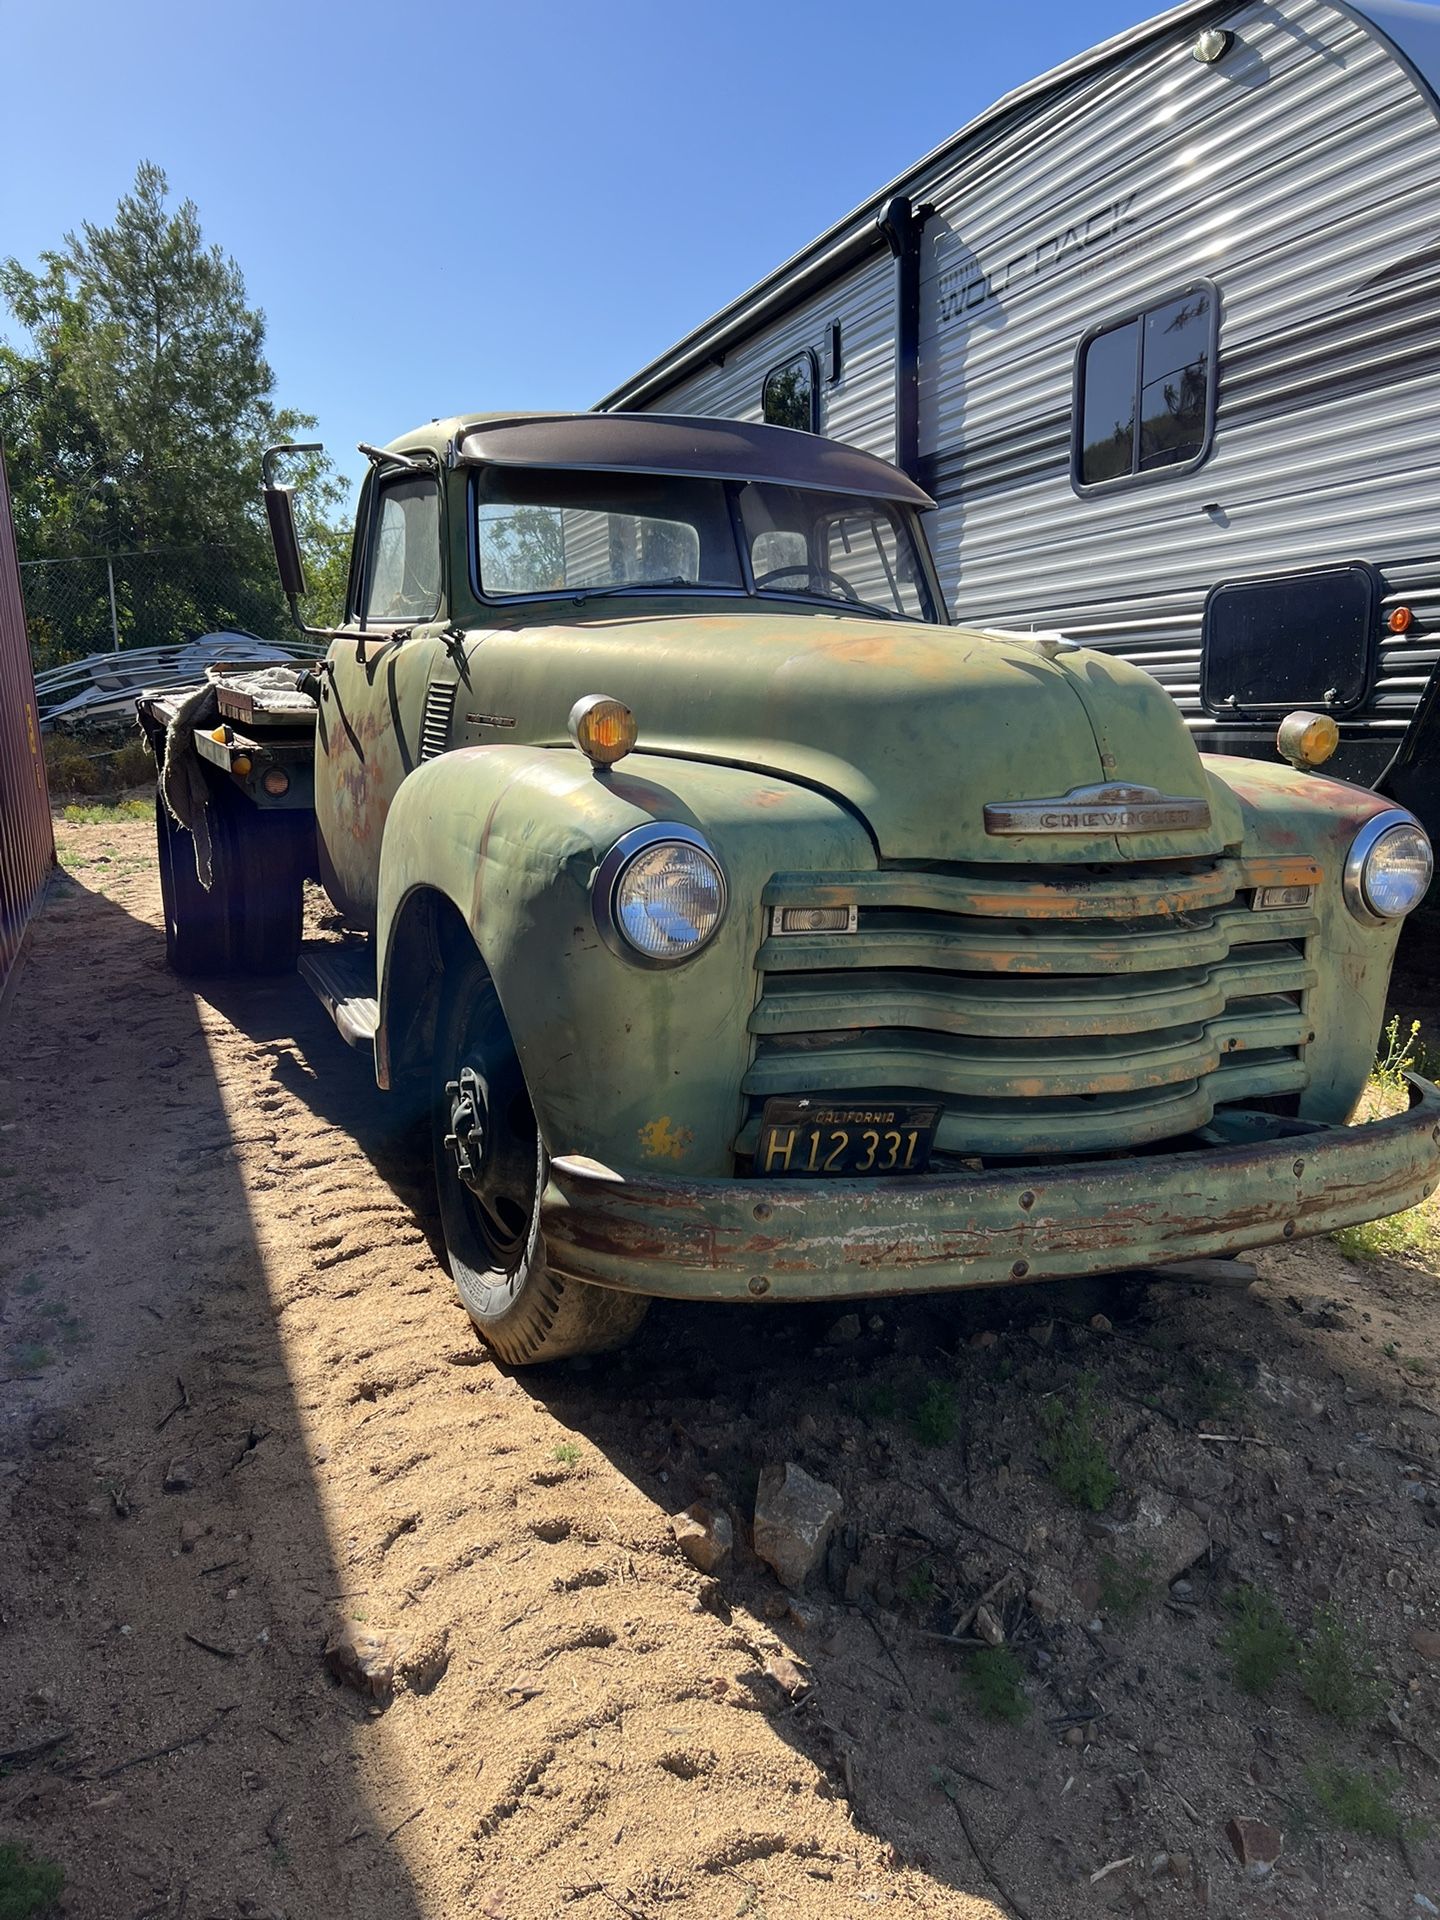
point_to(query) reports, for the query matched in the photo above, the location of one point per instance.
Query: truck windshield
(540, 532)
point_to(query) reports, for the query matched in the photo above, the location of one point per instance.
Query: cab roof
(664, 443)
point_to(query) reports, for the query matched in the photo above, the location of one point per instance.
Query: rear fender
(634, 1066)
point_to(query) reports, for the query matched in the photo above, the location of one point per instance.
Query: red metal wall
(27, 845)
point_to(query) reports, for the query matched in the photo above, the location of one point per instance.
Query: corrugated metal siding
(1294, 175)
(27, 845)
(859, 406)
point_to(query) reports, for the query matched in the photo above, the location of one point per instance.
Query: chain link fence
(98, 603)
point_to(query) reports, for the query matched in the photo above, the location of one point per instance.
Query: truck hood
(918, 729)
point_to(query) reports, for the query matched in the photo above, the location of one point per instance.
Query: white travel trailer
(1160, 333)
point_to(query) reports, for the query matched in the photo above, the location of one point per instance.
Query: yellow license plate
(816, 1139)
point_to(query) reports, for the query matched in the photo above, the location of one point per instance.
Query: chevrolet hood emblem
(1113, 808)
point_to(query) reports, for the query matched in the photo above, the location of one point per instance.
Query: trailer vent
(435, 725)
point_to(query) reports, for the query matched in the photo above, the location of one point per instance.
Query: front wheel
(490, 1171)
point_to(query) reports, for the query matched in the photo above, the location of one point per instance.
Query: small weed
(921, 1588)
(104, 813)
(942, 1716)
(1213, 1391)
(1260, 1645)
(28, 1887)
(31, 1357)
(880, 1402)
(1357, 1803)
(566, 1453)
(31, 1284)
(935, 1416)
(993, 1677)
(1332, 1675)
(1125, 1585)
(1071, 1448)
(1395, 1057)
(1417, 1231)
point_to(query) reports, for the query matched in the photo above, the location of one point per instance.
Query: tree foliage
(134, 411)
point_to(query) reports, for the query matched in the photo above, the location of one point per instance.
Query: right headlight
(659, 895)
(1389, 867)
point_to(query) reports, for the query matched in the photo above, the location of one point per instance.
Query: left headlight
(659, 894)
(1389, 868)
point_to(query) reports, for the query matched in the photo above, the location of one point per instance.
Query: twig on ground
(33, 1749)
(403, 1823)
(991, 1872)
(1102, 1873)
(180, 1406)
(159, 1753)
(209, 1646)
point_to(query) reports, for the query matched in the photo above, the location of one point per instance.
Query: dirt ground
(238, 1404)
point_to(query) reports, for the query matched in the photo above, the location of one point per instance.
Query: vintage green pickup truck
(757, 935)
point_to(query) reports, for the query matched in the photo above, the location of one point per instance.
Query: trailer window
(1144, 398)
(403, 566)
(790, 395)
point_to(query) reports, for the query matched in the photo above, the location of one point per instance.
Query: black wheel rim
(489, 1139)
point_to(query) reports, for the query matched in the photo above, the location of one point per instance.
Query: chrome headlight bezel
(1362, 847)
(611, 872)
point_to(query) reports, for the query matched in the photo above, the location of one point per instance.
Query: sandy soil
(238, 1404)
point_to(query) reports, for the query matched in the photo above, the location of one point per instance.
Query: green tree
(134, 412)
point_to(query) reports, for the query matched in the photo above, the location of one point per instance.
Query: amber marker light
(1401, 620)
(602, 728)
(240, 766)
(1307, 739)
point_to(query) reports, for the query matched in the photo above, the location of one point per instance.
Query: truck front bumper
(811, 1239)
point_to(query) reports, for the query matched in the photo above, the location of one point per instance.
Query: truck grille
(1052, 1011)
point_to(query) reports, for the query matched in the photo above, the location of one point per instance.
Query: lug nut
(1289, 1229)
(759, 1284)
(1020, 1269)
(1027, 1200)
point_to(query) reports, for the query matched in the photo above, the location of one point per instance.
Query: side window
(790, 395)
(1144, 391)
(402, 572)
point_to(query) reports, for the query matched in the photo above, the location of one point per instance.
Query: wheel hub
(466, 1138)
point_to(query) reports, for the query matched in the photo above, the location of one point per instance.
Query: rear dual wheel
(490, 1171)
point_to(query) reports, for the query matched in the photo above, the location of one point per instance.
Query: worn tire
(522, 1311)
(258, 869)
(249, 921)
(197, 923)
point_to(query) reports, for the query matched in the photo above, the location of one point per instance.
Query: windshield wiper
(638, 586)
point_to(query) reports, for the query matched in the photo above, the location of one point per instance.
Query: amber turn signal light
(1401, 620)
(603, 729)
(1307, 739)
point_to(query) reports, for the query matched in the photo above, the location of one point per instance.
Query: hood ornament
(1114, 807)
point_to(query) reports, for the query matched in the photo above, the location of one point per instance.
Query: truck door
(373, 691)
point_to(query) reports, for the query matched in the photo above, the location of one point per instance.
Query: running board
(343, 981)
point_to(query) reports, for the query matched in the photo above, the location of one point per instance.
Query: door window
(403, 571)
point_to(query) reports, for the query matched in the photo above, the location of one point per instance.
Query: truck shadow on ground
(171, 1740)
(1063, 1454)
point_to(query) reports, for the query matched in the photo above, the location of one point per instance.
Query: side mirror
(280, 512)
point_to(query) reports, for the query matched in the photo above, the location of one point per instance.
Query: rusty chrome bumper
(808, 1240)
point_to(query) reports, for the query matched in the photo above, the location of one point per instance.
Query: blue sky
(453, 206)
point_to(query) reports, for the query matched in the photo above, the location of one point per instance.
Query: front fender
(633, 1066)
(1287, 814)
